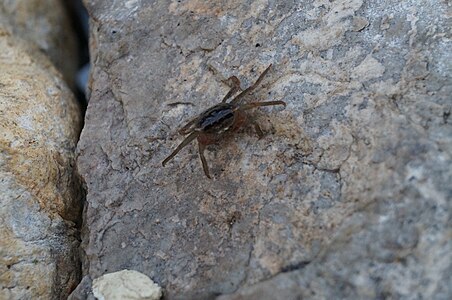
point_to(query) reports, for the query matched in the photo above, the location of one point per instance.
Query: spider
(226, 117)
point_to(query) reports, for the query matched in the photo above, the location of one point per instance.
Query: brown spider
(212, 124)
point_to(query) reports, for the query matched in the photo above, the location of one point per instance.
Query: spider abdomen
(217, 119)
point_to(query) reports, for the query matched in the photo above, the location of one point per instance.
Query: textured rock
(83, 291)
(46, 24)
(125, 285)
(347, 195)
(40, 197)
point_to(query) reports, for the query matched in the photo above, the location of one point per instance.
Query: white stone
(126, 284)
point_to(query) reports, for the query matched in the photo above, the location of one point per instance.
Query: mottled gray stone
(347, 195)
(83, 291)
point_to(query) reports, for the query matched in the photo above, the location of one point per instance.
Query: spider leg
(251, 88)
(188, 127)
(235, 87)
(258, 129)
(184, 143)
(257, 104)
(202, 147)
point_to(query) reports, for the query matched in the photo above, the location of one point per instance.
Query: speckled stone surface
(348, 193)
(40, 194)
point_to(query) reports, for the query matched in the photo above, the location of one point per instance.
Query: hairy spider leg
(202, 147)
(257, 104)
(184, 143)
(234, 89)
(251, 88)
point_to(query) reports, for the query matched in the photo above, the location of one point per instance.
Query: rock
(47, 24)
(347, 195)
(83, 290)
(124, 285)
(40, 195)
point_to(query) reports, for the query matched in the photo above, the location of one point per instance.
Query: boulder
(41, 194)
(348, 193)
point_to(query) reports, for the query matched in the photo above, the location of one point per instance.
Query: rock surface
(46, 24)
(346, 196)
(83, 291)
(126, 285)
(40, 199)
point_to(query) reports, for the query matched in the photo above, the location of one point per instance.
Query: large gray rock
(347, 195)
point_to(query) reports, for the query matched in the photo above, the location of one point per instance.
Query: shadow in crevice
(80, 24)
(79, 21)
